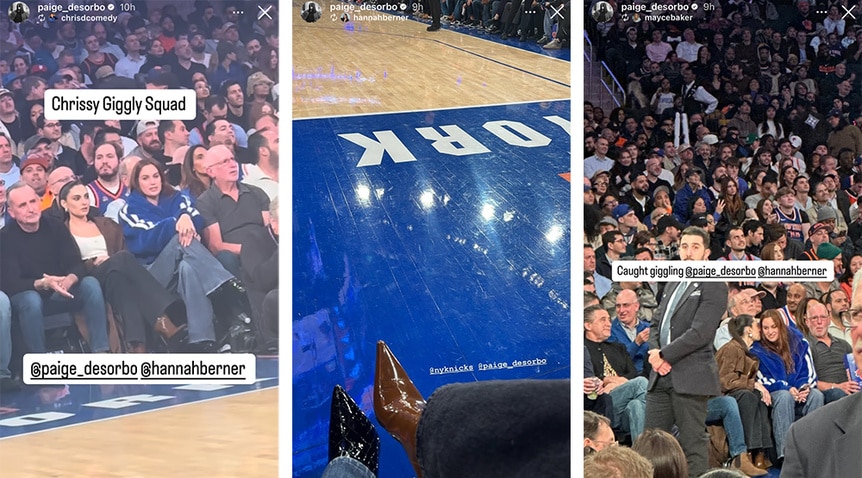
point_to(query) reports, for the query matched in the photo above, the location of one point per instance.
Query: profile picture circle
(311, 11)
(602, 12)
(345, 17)
(19, 12)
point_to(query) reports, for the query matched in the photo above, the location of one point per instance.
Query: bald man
(232, 211)
(627, 330)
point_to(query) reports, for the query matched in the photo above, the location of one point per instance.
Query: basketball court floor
(113, 431)
(431, 210)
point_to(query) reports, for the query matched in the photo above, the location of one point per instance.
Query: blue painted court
(446, 234)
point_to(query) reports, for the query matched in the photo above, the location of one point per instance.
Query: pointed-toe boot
(397, 402)
(351, 433)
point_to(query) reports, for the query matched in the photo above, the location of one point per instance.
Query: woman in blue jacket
(787, 372)
(162, 230)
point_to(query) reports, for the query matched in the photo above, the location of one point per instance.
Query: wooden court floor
(227, 437)
(374, 66)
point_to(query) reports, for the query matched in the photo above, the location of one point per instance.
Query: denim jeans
(31, 310)
(5, 335)
(829, 396)
(725, 410)
(630, 406)
(784, 411)
(346, 467)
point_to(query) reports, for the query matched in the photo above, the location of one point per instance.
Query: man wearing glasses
(828, 352)
(630, 331)
(827, 441)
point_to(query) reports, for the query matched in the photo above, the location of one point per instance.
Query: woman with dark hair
(733, 211)
(737, 371)
(850, 270)
(664, 452)
(765, 211)
(162, 230)
(788, 175)
(131, 291)
(787, 372)
(194, 177)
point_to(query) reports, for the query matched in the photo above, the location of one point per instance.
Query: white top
(92, 247)
(252, 174)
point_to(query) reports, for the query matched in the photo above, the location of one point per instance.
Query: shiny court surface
(142, 431)
(429, 211)
(461, 263)
(363, 67)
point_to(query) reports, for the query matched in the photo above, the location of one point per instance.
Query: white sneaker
(553, 45)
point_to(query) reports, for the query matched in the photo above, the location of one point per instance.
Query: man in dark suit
(827, 442)
(684, 373)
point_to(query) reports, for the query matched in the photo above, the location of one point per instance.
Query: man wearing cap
(34, 173)
(43, 274)
(149, 146)
(746, 300)
(843, 135)
(786, 150)
(231, 210)
(667, 232)
(693, 188)
(824, 212)
(628, 221)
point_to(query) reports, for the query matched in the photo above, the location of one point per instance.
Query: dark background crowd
(197, 191)
(746, 123)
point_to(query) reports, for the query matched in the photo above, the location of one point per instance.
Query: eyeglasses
(52, 125)
(606, 443)
(818, 318)
(851, 317)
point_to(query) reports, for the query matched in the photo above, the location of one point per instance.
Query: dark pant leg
(269, 313)
(659, 410)
(690, 413)
(497, 428)
(435, 11)
(749, 411)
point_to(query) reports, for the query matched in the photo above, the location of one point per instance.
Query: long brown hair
(736, 327)
(135, 183)
(663, 451)
(732, 204)
(780, 347)
(189, 177)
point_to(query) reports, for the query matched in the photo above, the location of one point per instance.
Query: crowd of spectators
(546, 22)
(157, 226)
(746, 122)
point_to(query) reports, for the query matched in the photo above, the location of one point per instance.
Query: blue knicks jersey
(100, 197)
(793, 224)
